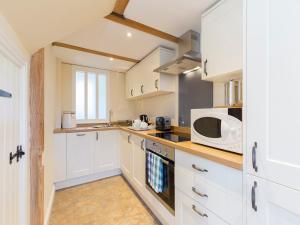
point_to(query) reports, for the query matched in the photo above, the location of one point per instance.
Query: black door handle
(5, 94)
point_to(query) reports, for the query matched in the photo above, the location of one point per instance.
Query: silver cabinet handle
(142, 144)
(131, 92)
(97, 136)
(198, 193)
(199, 169)
(254, 165)
(198, 212)
(128, 138)
(156, 84)
(142, 89)
(205, 67)
(79, 135)
(253, 197)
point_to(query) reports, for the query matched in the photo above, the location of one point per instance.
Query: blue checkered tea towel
(155, 172)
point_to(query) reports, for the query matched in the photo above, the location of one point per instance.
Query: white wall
(121, 109)
(49, 123)
(219, 94)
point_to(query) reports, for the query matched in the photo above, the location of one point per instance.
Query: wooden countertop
(229, 159)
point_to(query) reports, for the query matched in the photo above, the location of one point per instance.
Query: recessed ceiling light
(129, 34)
(111, 59)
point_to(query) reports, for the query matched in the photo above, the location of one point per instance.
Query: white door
(271, 204)
(138, 161)
(12, 186)
(80, 148)
(105, 153)
(222, 38)
(126, 153)
(272, 90)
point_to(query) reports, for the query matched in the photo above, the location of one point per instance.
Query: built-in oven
(166, 156)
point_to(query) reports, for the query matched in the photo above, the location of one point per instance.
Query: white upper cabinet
(141, 81)
(106, 151)
(271, 204)
(272, 82)
(80, 148)
(222, 41)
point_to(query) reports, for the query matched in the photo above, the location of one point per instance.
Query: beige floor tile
(105, 202)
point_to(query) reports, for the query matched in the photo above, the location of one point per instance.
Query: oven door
(167, 196)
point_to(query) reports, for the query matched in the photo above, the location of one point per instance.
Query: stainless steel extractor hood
(189, 55)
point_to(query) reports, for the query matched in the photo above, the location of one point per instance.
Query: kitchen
(126, 118)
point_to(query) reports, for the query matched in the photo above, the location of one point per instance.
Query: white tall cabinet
(272, 128)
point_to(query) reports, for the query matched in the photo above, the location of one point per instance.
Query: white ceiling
(82, 23)
(171, 16)
(107, 36)
(40, 22)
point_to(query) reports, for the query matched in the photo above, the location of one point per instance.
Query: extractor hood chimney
(189, 55)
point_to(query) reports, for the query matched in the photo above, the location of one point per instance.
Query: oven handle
(163, 160)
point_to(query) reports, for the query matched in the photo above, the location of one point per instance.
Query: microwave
(218, 127)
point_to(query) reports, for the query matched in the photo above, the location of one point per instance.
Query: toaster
(163, 123)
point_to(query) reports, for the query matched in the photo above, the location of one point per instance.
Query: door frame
(12, 48)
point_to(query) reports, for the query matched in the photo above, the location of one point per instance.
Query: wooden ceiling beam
(115, 17)
(105, 54)
(120, 6)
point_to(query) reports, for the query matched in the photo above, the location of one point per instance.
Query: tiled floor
(105, 202)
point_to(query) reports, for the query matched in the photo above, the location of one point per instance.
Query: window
(90, 95)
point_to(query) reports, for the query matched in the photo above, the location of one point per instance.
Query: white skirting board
(49, 207)
(89, 178)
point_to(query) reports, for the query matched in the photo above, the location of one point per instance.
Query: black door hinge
(18, 154)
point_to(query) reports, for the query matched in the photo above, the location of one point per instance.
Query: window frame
(98, 72)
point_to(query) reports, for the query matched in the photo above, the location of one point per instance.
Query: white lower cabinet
(216, 188)
(190, 212)
(80, 148)
(138, 161)
(60, 157)
(85, 156)
(126, 154)
(269, 203)
(106, 151)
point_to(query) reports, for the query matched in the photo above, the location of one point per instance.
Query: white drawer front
(218, 188)
(190, 212)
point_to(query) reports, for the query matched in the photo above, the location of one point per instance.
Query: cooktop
(172, 136)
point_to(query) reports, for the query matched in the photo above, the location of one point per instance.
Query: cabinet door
(60, 157)
(126, 154)
(272, 124)
(269, 203)
(189, 212)
(138, 161)
(129, 80)
(222, 39)
(106, 151)
(80, 147)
